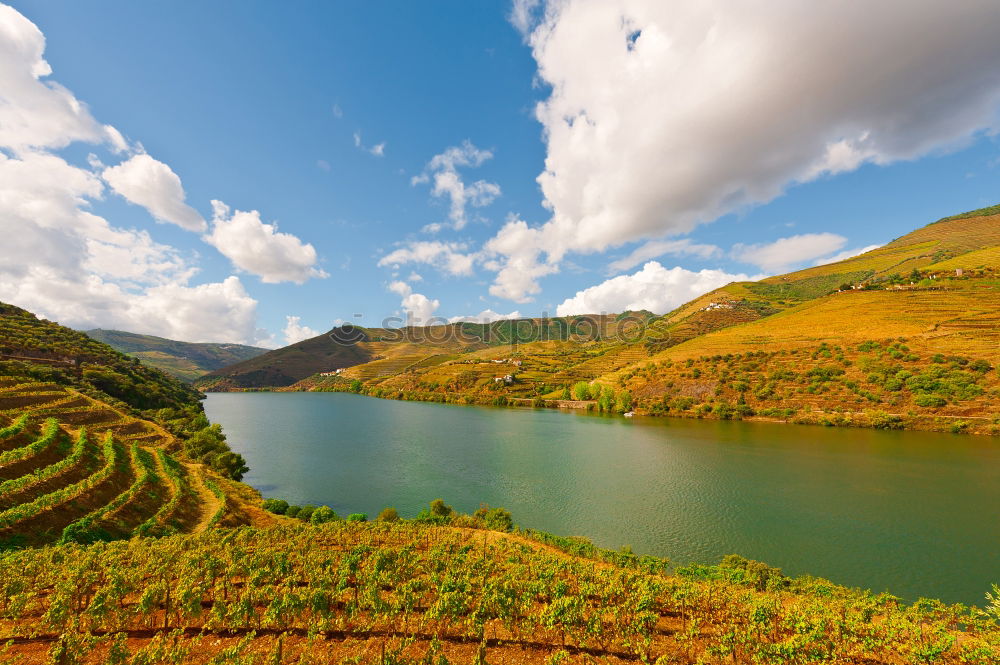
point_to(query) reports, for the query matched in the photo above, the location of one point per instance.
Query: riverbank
(867, 419)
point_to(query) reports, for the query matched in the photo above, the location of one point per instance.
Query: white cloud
(69, 265)
(35, 113)
(656, 248)
(653, 288)
(378, 149)
(486, 316)
(296, 332)
(419, 308)
(451, 257)
(66, 263)
(785, 253)
(442, 170)
(846, 254)
(337, 111)
(518, 263)
(522, 15)
(665, 115)
(153, 185)
(415, 277)
(260, 248)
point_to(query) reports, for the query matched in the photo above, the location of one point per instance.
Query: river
(915, 513)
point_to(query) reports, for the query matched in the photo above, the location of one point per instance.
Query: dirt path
(207, 501)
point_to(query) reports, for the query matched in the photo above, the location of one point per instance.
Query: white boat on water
(629, 414)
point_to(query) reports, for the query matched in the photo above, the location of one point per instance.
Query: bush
(581, 391)
(440, 509)
(388, 515)
(929, 400)
(324, 514)
(357, 517)
(981, 366)
(276, 506)
(497, 519)
(753, 573)
(306, 513)
(293, 511)
(883, 420)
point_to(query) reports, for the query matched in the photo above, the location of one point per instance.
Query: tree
(440, 509)
(230, 464)
(388, 514)
(324, 514)
(497, 519)
(355, 386)
(581, 391)
(276, 506)
(565, 393)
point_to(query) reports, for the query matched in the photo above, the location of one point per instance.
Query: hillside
(184, 360)
(94, 445)
(374, 353)
(903, 336)
(445, 590)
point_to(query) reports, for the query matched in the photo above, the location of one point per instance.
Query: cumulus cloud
(486, 316)
(657, 248)
(653, 288)
(664, 115)
(68, 264)
(517, 259)
(786, 253)
(419, 308)
(442, 172)
(154, 186)
(260, 248)
(296, 332)
(846, 254)
(37, 113)
(450, 257)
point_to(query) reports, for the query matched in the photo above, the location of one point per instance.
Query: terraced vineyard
(406, 592)
(76, 469)
(95, 446)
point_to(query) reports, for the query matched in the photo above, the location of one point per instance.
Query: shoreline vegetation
(926, 388)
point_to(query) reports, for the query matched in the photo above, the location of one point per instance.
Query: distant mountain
(371, 353)
(185, 360)
(902, 336)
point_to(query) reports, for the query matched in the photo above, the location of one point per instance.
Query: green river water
(914, 513)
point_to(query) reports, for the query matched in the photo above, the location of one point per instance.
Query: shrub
(276, 506)
(981, 366)
(324, 514)
(388, 514)
(497, 519)
(306, 513)
(581, 391)
(440, 509)
(929, 400)
(883, 420)
(357, 517)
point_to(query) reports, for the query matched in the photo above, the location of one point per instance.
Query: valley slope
(903, 336)
(184, 360)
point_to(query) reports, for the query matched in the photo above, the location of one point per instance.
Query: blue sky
(325, 118)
